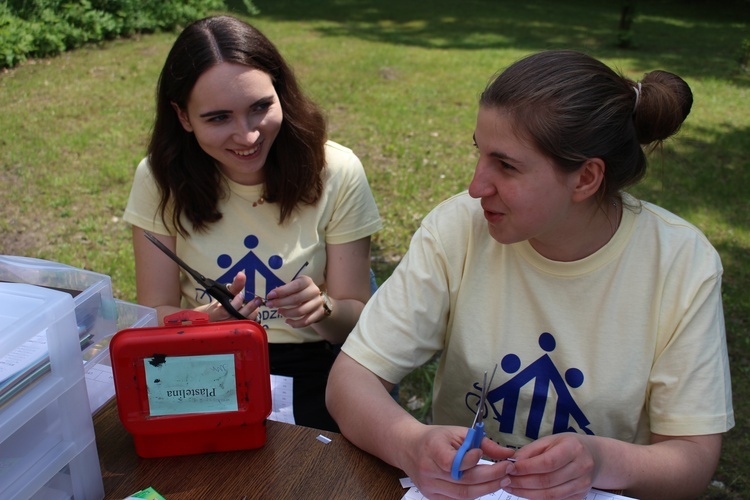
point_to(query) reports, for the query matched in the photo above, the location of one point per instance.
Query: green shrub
(43, 28)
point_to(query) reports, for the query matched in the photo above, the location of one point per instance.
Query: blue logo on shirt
(250, 264)
(503, 400)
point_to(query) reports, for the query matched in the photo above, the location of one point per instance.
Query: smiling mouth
(246, 152)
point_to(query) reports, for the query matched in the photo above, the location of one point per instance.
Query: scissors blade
(169, 253)
(215, 289)
(480, 406)
(479, 417)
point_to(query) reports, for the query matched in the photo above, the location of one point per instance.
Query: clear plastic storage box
(47, 445)
(95, 309)
(98, 315)
(98, 365)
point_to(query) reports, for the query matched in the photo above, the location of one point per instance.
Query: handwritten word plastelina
(184, 393)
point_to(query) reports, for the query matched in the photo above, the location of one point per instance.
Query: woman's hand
(567, 465)
(428, 458)
(557, 466)
(347, 283)
(216, 311)
(300, 301)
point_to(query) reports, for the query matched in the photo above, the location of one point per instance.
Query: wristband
(327, 304)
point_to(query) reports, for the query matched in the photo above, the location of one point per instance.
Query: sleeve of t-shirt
(142, 209)
(355, 213)
(404, 324)
(690, 389)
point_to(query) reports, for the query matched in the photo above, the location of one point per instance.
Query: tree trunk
(624, 30)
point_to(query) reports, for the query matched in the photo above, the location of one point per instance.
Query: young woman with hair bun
(602, 313)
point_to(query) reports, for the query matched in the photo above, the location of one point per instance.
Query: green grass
(399, 82)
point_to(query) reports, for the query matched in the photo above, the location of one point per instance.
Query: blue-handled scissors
(476, 433)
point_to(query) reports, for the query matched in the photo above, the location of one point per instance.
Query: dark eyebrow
(498, 154)
(216, 113)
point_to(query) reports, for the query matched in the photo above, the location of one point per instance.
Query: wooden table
(292, 464)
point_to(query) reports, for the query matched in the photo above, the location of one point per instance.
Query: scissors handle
(473, 439)
(224, 296)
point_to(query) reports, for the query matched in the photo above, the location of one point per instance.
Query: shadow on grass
(667, 34)
(709, 174)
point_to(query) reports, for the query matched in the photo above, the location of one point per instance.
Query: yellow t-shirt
(248, 238)
(627, 341)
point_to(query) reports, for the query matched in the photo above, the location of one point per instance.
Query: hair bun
(663, 104)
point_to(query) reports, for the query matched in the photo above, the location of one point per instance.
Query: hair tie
(637, 96)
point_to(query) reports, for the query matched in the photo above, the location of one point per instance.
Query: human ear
(589, 179)
(182, 116)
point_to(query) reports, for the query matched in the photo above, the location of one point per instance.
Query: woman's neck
(578, 240)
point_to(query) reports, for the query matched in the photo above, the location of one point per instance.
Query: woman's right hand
(370, 418)
(429, 457)
(216, 311)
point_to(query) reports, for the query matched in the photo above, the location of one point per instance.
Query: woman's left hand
(558, 466)
(299, 301)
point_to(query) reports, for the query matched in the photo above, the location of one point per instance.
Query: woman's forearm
(364, 410)
(164, 311)
(336, 327)
(671, 467)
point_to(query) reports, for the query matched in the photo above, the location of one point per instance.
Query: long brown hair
(574, 107)
(189, 181)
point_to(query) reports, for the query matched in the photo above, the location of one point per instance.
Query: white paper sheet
(415, 494)
(594, 494)
(282, 402)
(100, 384)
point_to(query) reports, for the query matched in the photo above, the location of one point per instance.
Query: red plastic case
(195, 430)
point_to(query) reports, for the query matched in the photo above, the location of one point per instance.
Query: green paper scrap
(148, 494)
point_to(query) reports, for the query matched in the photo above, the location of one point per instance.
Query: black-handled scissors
(217, 290)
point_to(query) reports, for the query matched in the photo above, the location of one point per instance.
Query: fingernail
(505, 482)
